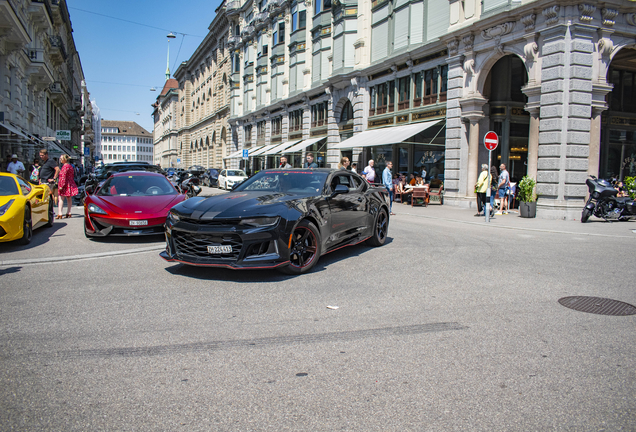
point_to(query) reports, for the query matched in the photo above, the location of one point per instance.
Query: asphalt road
(452, 325)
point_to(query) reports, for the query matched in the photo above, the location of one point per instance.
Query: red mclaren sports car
(129, 203)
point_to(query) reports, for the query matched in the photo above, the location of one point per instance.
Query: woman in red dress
(66, 186)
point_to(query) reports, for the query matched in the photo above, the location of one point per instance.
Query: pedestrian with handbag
(480, 189)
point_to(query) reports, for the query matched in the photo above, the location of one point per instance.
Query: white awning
(15, 130)
(386, 136)
(262, 150)
(239, 154)
(304, 144)
(281, 148)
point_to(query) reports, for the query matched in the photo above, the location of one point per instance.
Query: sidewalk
(513, 221)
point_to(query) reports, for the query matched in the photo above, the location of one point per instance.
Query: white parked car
(227, 178)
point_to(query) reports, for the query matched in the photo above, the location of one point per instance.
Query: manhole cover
(598, 305)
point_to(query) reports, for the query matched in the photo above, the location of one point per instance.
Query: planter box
(528, 210)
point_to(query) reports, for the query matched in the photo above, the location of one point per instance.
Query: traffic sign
(491, 140)
(246, 153)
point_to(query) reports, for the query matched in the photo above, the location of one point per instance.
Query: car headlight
(173, 217)
(92, 208)
(5, 207)
(260, 221)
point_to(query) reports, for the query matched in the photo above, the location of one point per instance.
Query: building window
(347, 112)
(276, 125)
(236, 63)
(247, 131)
(623, 95)
(319, 114)
(279, 33)
(321, 5)
(404, 93)
(299, 18)
(296, 120)
(260, 130)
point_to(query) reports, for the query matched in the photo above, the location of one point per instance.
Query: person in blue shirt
(387, 181)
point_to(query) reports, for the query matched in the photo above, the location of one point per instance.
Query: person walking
(369, 172)
(503, 187)
(49, 172)
(283, 163)
(480, 188)
(387, 181)
(494, 180)
(309, 161)
(15, 166)
(67, 188)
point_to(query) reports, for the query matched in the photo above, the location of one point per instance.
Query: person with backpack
(34, 172)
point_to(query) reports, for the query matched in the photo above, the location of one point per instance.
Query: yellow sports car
(23, 206)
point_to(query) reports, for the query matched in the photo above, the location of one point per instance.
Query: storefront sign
(382, 122)
(402, 118)
(429, 114)
(63, 135)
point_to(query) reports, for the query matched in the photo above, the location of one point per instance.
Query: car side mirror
(89, 188)
(340, 189)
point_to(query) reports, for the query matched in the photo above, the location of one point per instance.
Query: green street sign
(63, 135)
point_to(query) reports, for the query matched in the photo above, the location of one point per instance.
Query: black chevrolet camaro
(283, 219)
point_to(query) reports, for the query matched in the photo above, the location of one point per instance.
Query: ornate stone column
(472, 111)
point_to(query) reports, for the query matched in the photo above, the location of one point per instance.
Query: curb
(78, 257)
(484, 224)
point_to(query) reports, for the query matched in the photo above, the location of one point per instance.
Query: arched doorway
(618, 123)
(508, 118)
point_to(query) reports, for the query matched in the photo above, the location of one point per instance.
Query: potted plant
(527, 197)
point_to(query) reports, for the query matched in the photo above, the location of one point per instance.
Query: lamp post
(169, 36)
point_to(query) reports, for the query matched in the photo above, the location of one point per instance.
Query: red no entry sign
(491, 140)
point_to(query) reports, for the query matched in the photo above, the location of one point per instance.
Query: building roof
(170, 84)
(129, 128)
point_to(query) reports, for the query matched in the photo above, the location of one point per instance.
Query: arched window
(347, 112)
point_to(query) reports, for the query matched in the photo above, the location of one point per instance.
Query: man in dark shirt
(309, 163)
(49, 171)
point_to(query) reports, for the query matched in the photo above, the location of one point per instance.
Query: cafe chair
(419, 194)
(437, 193)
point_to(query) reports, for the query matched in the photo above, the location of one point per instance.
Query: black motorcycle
(605, 203)
(186, 183)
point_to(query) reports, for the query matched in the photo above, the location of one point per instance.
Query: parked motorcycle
(186, 183)
(605, 204)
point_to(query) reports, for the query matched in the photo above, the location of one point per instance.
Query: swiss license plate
(219, 249)
(138, 222)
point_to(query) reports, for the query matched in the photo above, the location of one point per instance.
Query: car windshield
(136, 185)
(286, 181)
(235, 173)
(8, 186)
(126, 167)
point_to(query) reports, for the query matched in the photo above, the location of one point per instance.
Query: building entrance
(618, 124)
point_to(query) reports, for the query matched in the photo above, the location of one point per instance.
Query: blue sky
(123, 60)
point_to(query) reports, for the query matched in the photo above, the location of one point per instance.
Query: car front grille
(213, 222)
(196, 245)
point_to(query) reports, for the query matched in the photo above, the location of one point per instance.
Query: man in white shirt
(15, 166)
(369, 172)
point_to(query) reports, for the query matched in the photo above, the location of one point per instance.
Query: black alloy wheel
(51, 213)
(27, 227)
(305, 248)
(380, 230)
(585, 215)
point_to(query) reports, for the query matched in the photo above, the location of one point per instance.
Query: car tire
(585, 215)
(51, 213)
(306, 249)
(380, 229)
(27, 227)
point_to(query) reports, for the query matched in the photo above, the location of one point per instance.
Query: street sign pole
(491, 140)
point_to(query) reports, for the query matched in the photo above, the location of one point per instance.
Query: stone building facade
(191, 112)
(429, 78)
(125, 141)
(42, 86)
